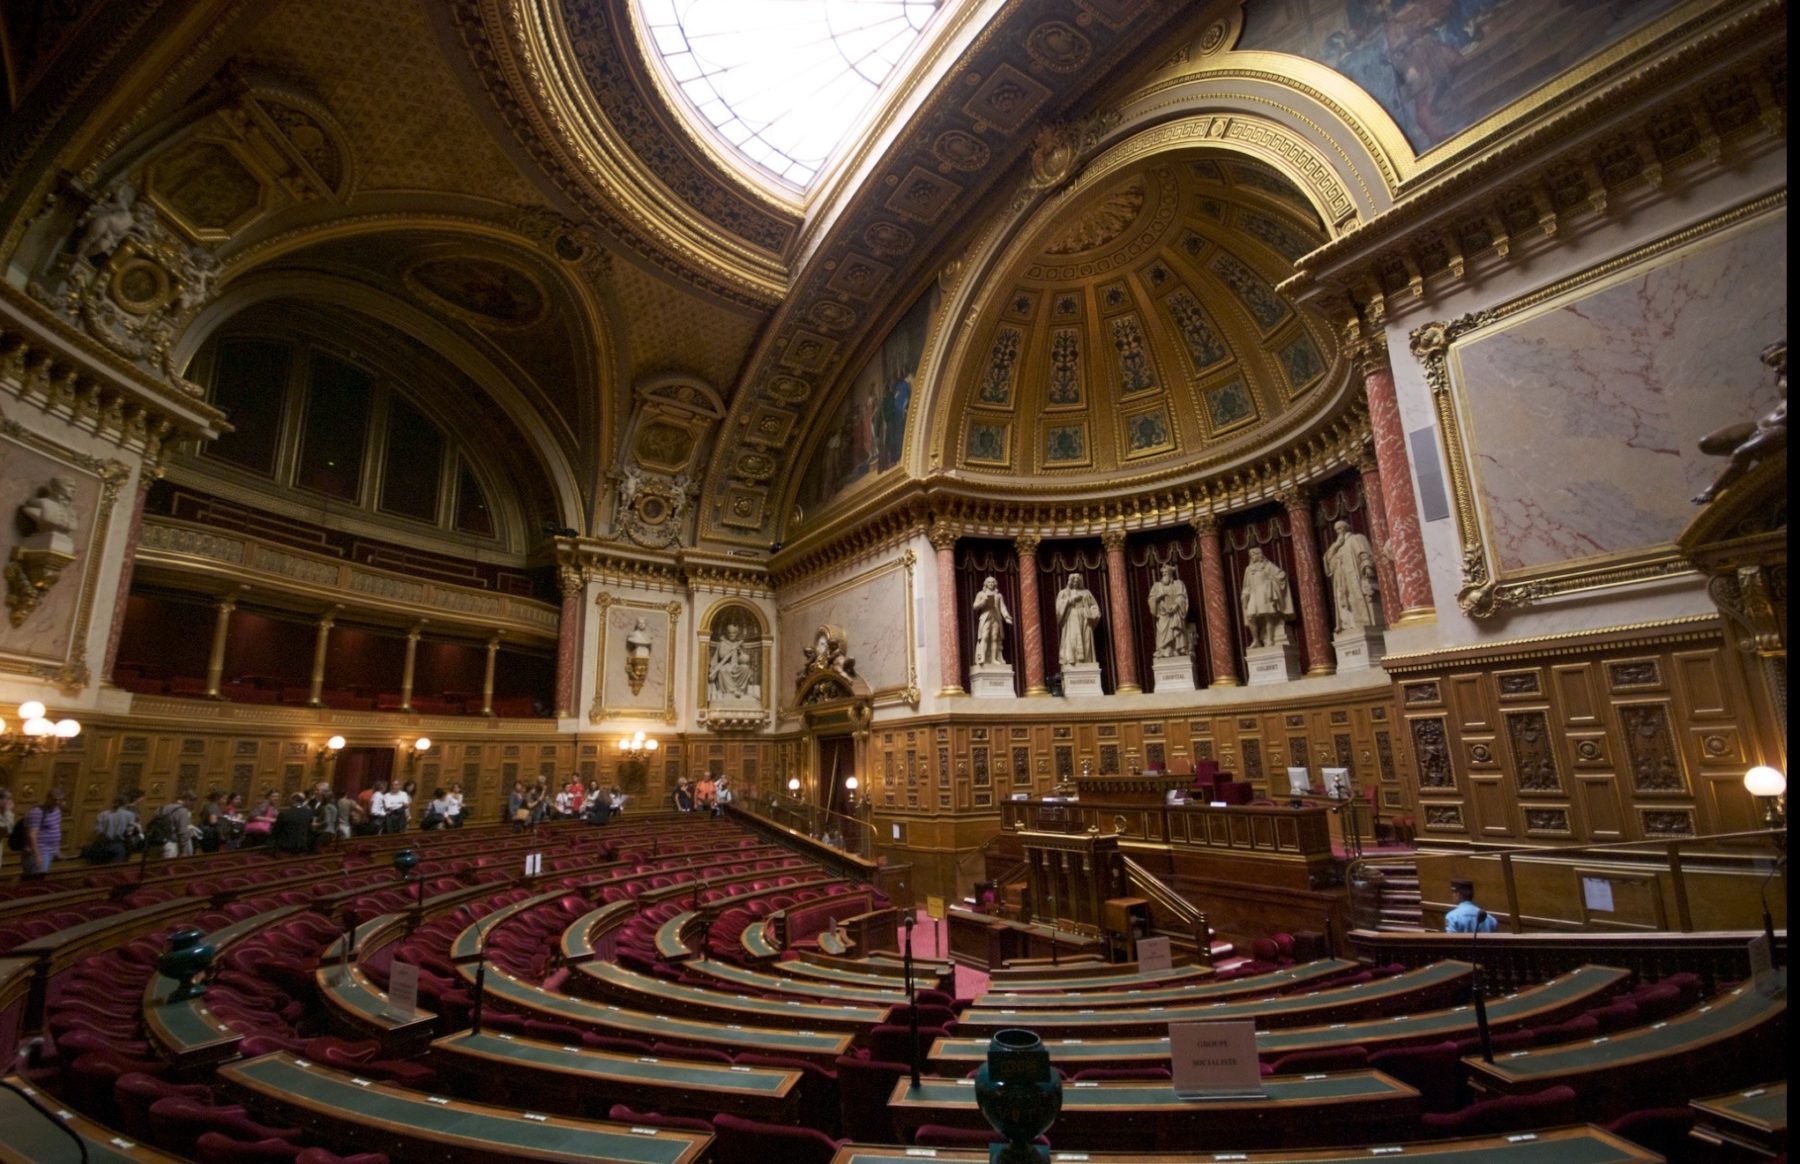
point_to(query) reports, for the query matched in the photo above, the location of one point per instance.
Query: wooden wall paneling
(1469, 703)
(1573, 691)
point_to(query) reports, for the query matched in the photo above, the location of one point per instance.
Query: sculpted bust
(52, 515)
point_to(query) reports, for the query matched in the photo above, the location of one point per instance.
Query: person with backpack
(43, 835)
(114, 831)
(171, 830)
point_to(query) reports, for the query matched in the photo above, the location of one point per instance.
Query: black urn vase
(1019, 1093)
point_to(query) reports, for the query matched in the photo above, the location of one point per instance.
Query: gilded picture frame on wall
(1553, 379)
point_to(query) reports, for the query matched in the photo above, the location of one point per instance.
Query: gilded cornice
(527, 64)
(962, 508)
(1694, 628)
(1707, 103)
(46, 363)
(888, 242)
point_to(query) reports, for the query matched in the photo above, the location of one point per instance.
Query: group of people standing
(711, 793)
(530, 805)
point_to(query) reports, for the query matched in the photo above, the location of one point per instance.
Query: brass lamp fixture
(1769, 787)
(638, 746)
(34, 734)
(328, 754)
(851, 784)
(418, 748)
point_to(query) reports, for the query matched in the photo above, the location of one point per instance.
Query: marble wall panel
(46, 634)
(1608, 389)
(874, 611)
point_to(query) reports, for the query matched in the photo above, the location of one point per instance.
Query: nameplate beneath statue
(1358, 650)
(1215, 1060)
(1083, 680)
(1278, 664)
(992, 681)
(1173, 674)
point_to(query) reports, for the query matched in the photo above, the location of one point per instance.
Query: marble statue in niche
(991, 620)
(1747, 443)
(48, 547)
(1076, 613)
(1350, 564)
(732, 673)
(1169, 607)
(1267, 603)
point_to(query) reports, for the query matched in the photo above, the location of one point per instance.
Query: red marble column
(1378, 533)
(1213, 597)
(1405, 542)
(943, 540)
(125, 569)
(1031, 632)
(1309, 581)
(568, 640)
(1119, 599)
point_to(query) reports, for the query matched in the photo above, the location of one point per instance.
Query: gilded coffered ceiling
(1143, 328)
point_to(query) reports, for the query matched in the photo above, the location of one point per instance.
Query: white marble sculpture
(991, 620)
(1350, 564)
(1267, 603)
(1169, 607)
(1077, 611)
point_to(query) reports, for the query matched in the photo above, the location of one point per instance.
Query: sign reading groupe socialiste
(1215, 1059)
(403, 991)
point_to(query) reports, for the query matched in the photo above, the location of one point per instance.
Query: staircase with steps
(1396, 898)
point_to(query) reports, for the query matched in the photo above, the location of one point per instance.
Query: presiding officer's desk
(412, 1125)
(1299, 1110)
(1729, 1040)
(1577, 1145)
(1751, 1123)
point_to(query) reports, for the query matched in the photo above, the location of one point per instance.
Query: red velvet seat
(1087, 1074)
(326, 1156)
(741, 1141)
(135, 1092)
(1584, 1026)
(942, 1136)
(1663, 1130)
(218, 1148)
(1618, 1016)
(863, 1089)
(177, 1121)
(1435, 1069)
(1552, 1107)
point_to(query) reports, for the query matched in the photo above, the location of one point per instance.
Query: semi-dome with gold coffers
(1143, 328)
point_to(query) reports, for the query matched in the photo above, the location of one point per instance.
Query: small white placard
(1215, 1059)
(1299, 782)
(1154, 954)
(403, 991)
(1597, 893)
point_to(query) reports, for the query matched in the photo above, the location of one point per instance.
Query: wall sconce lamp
(329, 753)
(794, 786)
(34, 734)
(1769, 787)
(638, 746)
(419, 747)
(851, 784)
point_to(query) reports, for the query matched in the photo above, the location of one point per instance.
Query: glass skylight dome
(782, 82)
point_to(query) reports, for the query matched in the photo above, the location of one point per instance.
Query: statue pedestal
(1175, 673)
(1359, 650)
(991, 681)
(1082, 679)
(1278, 664)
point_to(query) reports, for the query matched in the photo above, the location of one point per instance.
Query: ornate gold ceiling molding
(531, 69)
(874, 258)
(1709, 104)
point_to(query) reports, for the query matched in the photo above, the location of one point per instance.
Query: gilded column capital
(943, 537)
(1027, 543)
(569, 579)
(1363, 459)
(1368, 350)
(1294, 497)
(1206, 525)
(1113, 540)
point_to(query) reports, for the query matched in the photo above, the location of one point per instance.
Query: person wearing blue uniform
(1466, 917)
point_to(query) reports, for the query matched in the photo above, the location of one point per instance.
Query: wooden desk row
(1193, 989)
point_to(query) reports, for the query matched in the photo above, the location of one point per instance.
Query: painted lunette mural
(1440, 66)
(867, 432)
